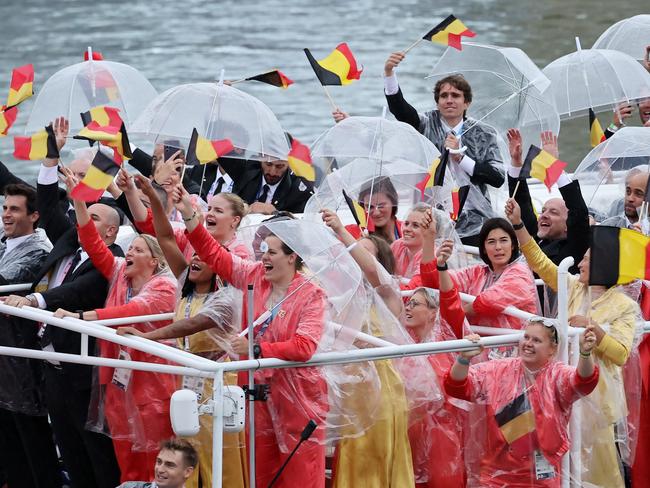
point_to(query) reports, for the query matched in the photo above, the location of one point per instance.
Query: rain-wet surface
(191, 41)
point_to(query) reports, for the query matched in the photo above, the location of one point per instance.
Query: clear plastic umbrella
(217, 111)
(596, 78)
(373, 139)
(82, 86)
(603, 171)
(630, 36)
(508, 89)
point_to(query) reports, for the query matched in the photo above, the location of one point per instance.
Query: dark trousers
(28, 452)
(88, 456)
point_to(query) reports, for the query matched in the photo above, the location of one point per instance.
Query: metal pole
(575, 425)
(251, 389)
(217, 430)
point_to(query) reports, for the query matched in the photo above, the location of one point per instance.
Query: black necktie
(219, 186)
(264, 194)
(73, 264)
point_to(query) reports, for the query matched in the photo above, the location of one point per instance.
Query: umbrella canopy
(509, 90)
(217, 111)
(595, 78)
(603, 171)
(373, 139)
(82, 86)
(630, 36)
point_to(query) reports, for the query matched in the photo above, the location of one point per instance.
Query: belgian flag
(449, 33)
(7, 119)
(97, 56)
(103, 116)
(104, 124)
(22, 85)
(458, 198)
(339, 68)
(436, 174)
(357, 210)
(101, 173)
(618, 256)
(516, 422)
(41, 145)
(203, 151)
(275, 78)
(596, 133)
(543, 166)
(299, 160)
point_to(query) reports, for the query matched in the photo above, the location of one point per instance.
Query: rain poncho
(20, 378)
(606, 408)
(131, 406)
(511, 455)
(223, 307)
(296, 394)
(407, 263)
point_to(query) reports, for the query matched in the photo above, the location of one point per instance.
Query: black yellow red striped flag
(299, 160)
(596, 133)
(275, 78)
(22, 85)
(357, 210)
(41, 145)
(449, 33)
(516, 421)
(458, 199)
(104, 124)
(436, 174)
(542, 165)
(618, 256)
(101, 173)
(202, 151)
(338, 68)
(7, 119)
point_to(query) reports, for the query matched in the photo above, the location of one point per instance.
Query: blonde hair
(156, 251)
(238, 206)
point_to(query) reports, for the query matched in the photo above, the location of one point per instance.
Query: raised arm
(522, 197)
(124, 182)
(397, 105)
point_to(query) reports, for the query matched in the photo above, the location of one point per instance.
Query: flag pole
(237, 81)
(412, 45)
(329, 97)
(516, 188)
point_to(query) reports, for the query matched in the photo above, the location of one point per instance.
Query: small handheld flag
(357, 210)
(436, 174)
(449, 33)
(458, 198)
(596, 133)
(38, 146)
(22, 85)
(543, 166)
(97, 56)
(202, 150)
(338, 68)
(299, 160)
(618, 256)
(275, 78)
(7, 119)
(101, 173)
(104, 124)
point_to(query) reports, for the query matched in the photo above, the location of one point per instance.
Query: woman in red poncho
(528, 401)
(292, 333)
(408, 248)
(135, 403)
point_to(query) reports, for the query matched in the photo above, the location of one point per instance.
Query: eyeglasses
(412, 303)
(372, 208)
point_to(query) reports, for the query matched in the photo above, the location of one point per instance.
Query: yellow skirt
(381, 457)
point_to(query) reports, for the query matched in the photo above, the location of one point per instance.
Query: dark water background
(175, 42)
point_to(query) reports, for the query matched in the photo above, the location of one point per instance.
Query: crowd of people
(491, 418)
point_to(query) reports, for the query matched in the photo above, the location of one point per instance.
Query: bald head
(635, 186)
(107, 221)
(79, 167)
(551, 224)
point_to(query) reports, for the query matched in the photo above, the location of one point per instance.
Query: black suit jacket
(83, 289)
(291, 194)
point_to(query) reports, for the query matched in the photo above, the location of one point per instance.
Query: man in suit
(69, 280)
(268, 186)
(26, 439)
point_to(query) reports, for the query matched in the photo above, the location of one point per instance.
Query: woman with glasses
(613, 317)
(379, 199)
(527, 401)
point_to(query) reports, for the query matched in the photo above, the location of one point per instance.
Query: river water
(173, 42)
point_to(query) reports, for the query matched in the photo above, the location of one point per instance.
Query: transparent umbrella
(596, 78)
(508, 89)
(82, 86)
(630, 36)
(373, 139)
(217, 111)
(603, 171)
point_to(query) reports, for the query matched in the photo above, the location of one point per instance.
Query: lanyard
(267, 322)
(129, 294)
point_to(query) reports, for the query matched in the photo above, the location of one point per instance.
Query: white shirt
(225, 188)
(59, 274)
(272, 188)
(48, 175)
(14, 242)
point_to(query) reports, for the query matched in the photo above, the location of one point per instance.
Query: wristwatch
(257, 351)
(518, 226)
